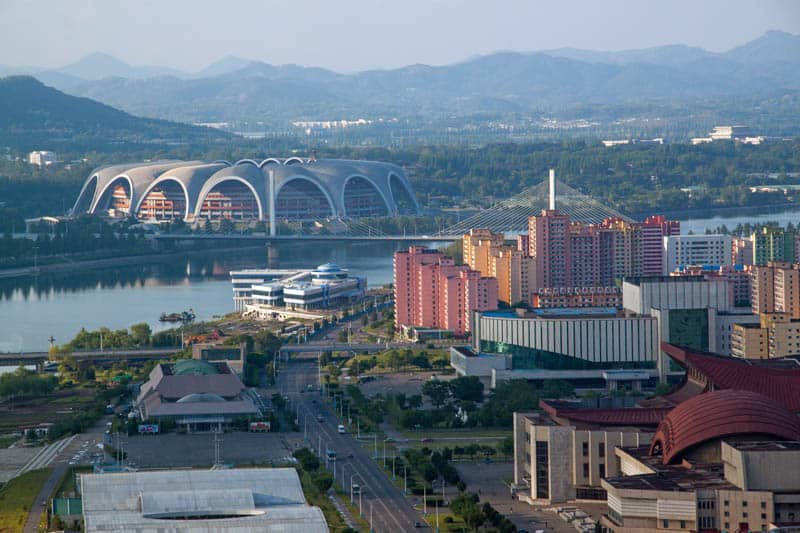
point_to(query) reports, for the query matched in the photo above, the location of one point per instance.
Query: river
(33, 309)
(59, 305)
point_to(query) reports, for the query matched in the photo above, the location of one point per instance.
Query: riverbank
(131, 260)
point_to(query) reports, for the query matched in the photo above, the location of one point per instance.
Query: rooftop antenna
(552, 189)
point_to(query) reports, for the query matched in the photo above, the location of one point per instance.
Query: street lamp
(384, 450)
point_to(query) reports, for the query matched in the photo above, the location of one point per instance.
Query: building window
(601, 449)
(585, 448)
(683, 524)
(665, 524)
(763, 516)
(725, 503)
(542, 470)
(602, 468)
(727, 525)
(585, 469)
(744, 503)
(744, 514)
(763, 505)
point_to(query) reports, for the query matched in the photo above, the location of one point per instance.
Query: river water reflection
(31, 310)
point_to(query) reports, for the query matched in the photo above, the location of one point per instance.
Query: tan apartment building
(776, 288)
(777, 335)
(486, 252)
(515, 272)
(478, 246)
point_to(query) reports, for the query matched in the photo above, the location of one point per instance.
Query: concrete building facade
(696, 250)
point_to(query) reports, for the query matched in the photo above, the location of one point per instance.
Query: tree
(467, 388)
(506, 446)
(141, 334)
(438, 391)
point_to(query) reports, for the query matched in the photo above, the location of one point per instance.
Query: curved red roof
(782, 384)
(719, 414)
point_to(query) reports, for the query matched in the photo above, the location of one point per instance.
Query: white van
(341, 429)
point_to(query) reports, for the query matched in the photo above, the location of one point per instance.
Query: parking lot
(182, 450)
(409, 383)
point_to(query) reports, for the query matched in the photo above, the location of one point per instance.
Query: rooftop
(242, 500)
(680, 478)
(778, 379)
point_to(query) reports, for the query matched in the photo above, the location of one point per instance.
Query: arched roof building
(292, 189)
(724, 413)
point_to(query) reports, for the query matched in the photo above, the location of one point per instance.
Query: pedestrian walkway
(46, 455)
(342, 509)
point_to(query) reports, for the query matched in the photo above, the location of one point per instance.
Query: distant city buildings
(726, 133)
(776, 288)
(431, 291)
(42, 158)
(513, 268)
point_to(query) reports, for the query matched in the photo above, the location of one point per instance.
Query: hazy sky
(348, 35)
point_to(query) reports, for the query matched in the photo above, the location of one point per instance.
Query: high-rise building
(431, 291)
(696, 250)
(654, 229)
(742, 251)
(549, 245)
(478, 246)
(515, 271)
(589, 255)
(773, 244)
(775, 287)
(486, 252)
(584, 244)
(777, 335)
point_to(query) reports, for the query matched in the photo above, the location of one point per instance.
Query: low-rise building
(182, 501)
(468, 362)
(325, 287)
(42, 158)
(571, 344)
(194, 394)
(563, 452)
(714, 464)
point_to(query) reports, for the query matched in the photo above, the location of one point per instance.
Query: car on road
(320, 418)
(341, 429)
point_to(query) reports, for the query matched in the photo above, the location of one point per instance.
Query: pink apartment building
(431, 291)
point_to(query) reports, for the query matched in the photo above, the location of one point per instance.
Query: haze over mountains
(235, 89)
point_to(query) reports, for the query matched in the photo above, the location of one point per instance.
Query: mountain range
(550, 81)
(34, 115)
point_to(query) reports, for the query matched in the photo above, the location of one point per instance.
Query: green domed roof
(193, 367)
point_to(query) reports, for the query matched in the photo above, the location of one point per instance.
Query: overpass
(39, 358)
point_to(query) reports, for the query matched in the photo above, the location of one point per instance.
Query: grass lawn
(335, 521)
(7, 440)
(68, 485)
(18, 496)
(457, 523)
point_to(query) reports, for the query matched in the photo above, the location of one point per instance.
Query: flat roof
(766, 446)
(677, 478)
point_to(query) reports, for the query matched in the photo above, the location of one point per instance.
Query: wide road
(391, 510)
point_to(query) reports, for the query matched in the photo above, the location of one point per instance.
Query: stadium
(293, 189)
